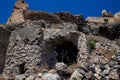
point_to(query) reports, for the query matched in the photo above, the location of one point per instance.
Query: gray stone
(49, 76)
(97, 76)
(56, 37)
(60, 66)
(112, 63)
(76, 75)
(89, 75)
(97, 69)
(116, 67)
(31, 77)
(80, 71)
(102, 66)
(114, 75)
(20, 77)
(83, 66)
(106, 72)
(107, 66)
(92, 68)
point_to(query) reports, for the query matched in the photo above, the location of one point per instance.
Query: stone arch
(56, 43)
(59, 50)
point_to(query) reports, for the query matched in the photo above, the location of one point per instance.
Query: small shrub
(92, 44)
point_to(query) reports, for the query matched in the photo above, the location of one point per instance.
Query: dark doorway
(67, 52)
(22, 69)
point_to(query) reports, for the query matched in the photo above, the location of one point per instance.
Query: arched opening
(66, 52)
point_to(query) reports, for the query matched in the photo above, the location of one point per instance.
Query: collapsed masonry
(21, 14)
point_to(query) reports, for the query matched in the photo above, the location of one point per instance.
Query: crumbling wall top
(21, 4)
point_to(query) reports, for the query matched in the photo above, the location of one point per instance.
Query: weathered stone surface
(4, 40)
(76, 76)
(106, 49)
(27, 51)
(117, 16)
(69, 25)
(49, 76)
(107, 17)
(112, 32)
(64, 39)
(114, 75)
(68, 17)
(89, 75)
(24, 50)
(21, 4)
(17, 14)
(20, 77)
(21, 14)
(50, 46)
(39, 15)
(60, 66)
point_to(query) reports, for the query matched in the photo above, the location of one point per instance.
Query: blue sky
(85, 7)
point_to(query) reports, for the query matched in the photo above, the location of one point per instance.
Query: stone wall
(56, 37)
(68, 17)
(39, 15)
(23, 52)
(17, 17)
(32, 47)
(21, 14)
(17, 14)
(4, 40)
(105, 19)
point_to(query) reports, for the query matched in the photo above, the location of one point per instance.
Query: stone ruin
(28, 46)
(35, 41)
(4, 40)
(32, 47)
(21, 14)
(17, 14)
(107, 17)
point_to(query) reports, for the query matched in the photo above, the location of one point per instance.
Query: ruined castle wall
(16, 17)
(4, 40)
(38, 15)
(17, 14)
(101, 19)
(68, 17)
(24, 50)
(35, 47)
